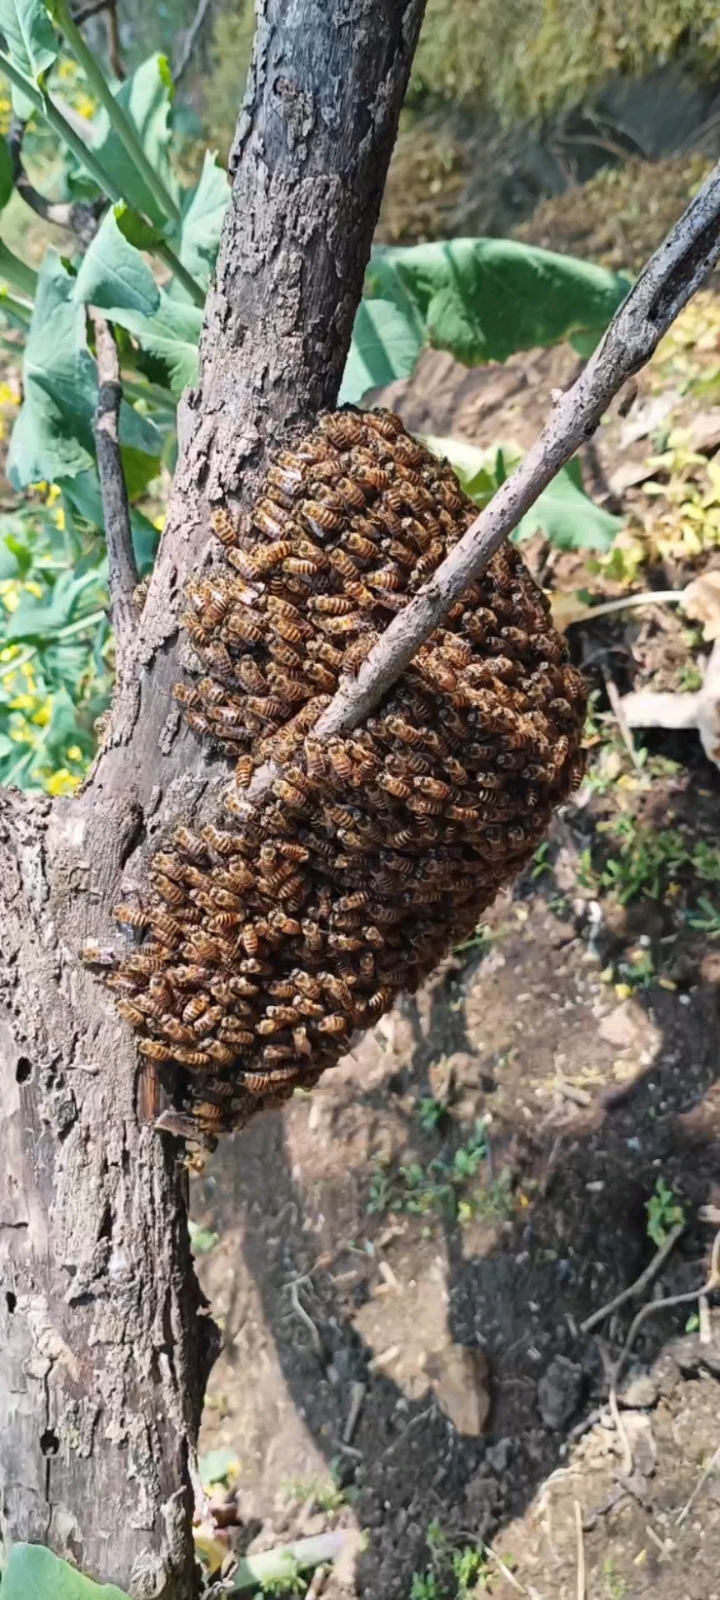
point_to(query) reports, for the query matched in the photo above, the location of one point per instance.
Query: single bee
(223, 526)
(132, 916)
(155, 1050)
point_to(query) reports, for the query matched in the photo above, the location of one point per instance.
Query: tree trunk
(105, 1343)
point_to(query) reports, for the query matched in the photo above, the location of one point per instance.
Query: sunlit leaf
(147, 98)
(563, 512)
(34, 1573)
(385, 345)
(113, 273)
(31, 43)
(202, 216)
(485, 299)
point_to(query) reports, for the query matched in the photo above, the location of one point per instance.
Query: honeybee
(155, 1050)
(341, 561)
(132, 916)
(132, 1013)
(223, 526)
(186, 695)
(195, 630)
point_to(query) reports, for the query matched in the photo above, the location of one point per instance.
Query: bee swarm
(266, 942)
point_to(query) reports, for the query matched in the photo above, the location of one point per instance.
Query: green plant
(706, 919)
(664, 1213)
(645, 861)
(430, 1112)
(440, 1188)
(457, 1571)
(34, 1573)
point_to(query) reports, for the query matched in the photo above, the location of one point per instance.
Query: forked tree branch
(122, 569)
(671, 277)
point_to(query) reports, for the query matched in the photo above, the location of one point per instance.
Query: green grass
(444, 1187)
(664, 1213)
(644, 861)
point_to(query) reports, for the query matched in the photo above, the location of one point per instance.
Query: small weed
(693, 1323)
(325, 1492)
(706, 918)
(429, 1113)
(688, 679)
(456, 1572)
(438, 1188)
(615, 1586)
(480, 942)
(559, 906)
(646, 862)
(541, 863)
(664, 1213)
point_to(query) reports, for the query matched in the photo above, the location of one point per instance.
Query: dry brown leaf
(567, 608)
(701, 601)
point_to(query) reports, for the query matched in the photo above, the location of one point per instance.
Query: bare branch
(191, 39)
(78, 216)
(92, 9)
(671, 277)
(123, 573)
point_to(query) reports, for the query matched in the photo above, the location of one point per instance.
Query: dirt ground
(405, 1261)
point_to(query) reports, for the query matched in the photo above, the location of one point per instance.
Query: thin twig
(80, 217)
(304, 1316)
(641, 1283)
(627, 1455)
(191, 39)
(580, 1552)
(670, 1302)
(702, 1480)
(122, 570)
(93, 9)
(671, 277)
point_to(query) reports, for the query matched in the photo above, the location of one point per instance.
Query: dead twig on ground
(635, 1289)
(671, 277)
(700, 1485)
(122, 569)
(580, 1552)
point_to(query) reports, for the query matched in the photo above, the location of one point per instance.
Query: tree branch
(671, 277)
(78, 216)
(122, 569)
(104, 1344)
(191, 39)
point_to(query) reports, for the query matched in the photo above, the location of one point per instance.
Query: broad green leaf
(485, 299)
(31, 43)
(113, 274)
(53, 435)
(9, 565)
(203, 211)
(480, 471)
(217, 1466)
(41, 619)
(563, 512)
(83, 493)
(6, 174)
(385, 345)
(173, 334)
(146, 97)
(34, 1573)
(569, 518)
(143, 235)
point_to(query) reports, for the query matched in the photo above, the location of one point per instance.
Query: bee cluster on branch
(264, 943)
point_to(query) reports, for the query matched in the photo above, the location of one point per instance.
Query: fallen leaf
(701, 601)
(567, 608)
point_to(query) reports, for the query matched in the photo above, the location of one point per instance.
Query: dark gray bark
(104, 1341)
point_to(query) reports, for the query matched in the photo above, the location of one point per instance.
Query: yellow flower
(74, 753)
(61, 782)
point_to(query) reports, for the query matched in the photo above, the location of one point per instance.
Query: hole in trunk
(23, 1070)
(49, 1442)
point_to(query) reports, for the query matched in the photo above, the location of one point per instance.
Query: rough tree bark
(105, 1343)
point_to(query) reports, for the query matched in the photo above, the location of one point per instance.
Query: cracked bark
(105, 1343)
